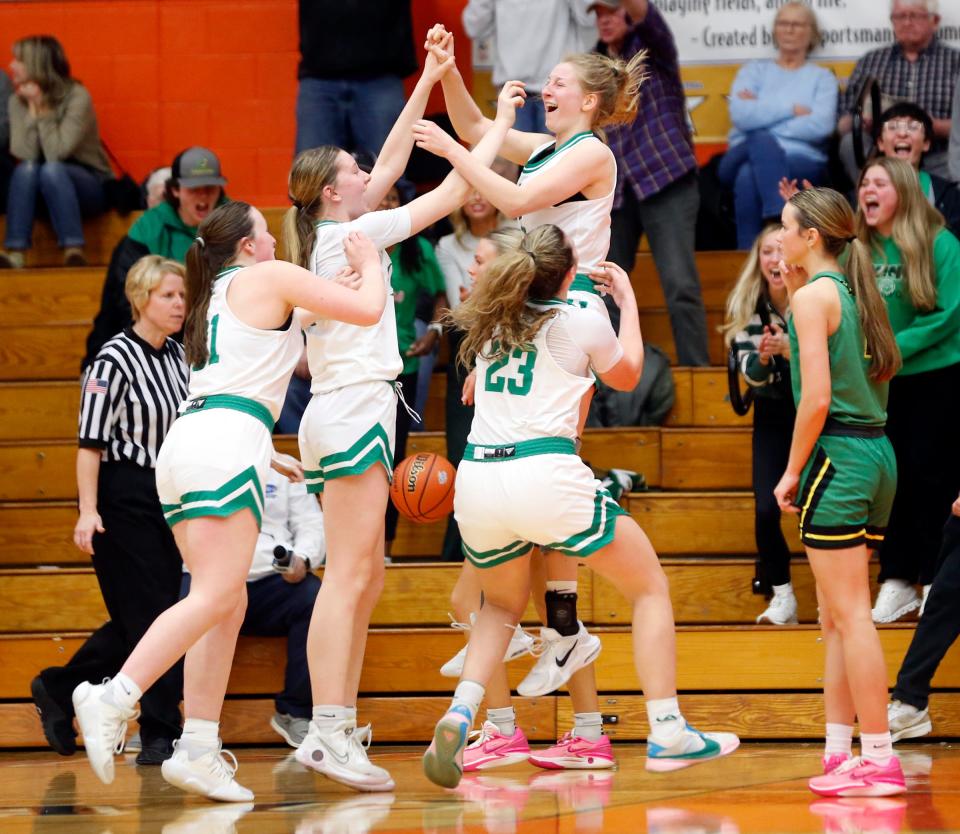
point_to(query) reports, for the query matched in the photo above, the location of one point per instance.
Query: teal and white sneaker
(443, 761)
(690, 747)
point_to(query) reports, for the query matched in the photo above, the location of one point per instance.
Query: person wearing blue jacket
(783, 113)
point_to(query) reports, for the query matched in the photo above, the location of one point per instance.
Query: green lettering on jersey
(213, 356)
(512, 372)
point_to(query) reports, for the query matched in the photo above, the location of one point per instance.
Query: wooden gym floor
(760, 789)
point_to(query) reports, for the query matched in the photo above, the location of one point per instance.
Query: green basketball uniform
(847, 486)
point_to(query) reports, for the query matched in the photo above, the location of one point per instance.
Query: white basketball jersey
(527, 395)
(585, 222)
(245, 361)
(342, 354)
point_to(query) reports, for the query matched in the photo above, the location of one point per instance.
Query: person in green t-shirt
(195, 188)
(917, 262)
(416, 275)
(841, 473)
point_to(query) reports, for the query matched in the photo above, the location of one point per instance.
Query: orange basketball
(422, 487)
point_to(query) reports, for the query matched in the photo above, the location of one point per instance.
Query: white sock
(588, 725)
(876, 748)
(665, 717)
(199, 735)
(505, 718)
(839, 739)
(122, 692)
(468, 694)
(562, 586)
(783, 590)
(328, 716)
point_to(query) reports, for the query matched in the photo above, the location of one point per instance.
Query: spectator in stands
(155, 186)
(657, 189)
(905, 132)
(350, 75)
(6, 161)
(415, 271)
(129, 399)
(54, 137)
(280, 597)
(528, 39)
(783, 112)
(756, 326)
(917, 262)
(194, 189)
(918, 67)
(936, 633)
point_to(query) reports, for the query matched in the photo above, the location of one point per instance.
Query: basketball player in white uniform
(568, 179)
(243, 341)
(347, 431)
(521, 483)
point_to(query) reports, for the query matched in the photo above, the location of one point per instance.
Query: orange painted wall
(165, 74)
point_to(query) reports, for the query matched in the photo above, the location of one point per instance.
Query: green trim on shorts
(497, 556)
(582, 283)
(242, 404)
(598, 534)
(243, 491)
(372, 448)
(477, 453)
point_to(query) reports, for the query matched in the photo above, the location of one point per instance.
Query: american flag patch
(96, 386)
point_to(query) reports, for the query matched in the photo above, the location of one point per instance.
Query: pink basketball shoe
(575, 753)
(831, 761)
(493, 749)
(856, 777)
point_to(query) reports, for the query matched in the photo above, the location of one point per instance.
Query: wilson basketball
(422, 487)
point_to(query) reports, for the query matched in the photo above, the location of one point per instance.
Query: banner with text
(715, 36)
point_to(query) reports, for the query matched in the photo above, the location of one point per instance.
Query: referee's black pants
(921, 424)
(138, 567)
(939, 626)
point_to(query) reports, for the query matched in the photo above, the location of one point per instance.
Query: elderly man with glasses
(918, 68)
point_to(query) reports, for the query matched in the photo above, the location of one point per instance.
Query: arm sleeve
(452, 274)
(306, 524)
(24, 139)
(384, 228)
(61, 134)
(594, 335)
(101, 398)
(114, 313)
(943, 321)
(820, 124)
(479, 19)
(657, 37)
(755, 114)
(745, 343)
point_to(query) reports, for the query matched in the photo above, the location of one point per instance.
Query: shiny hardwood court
(759, 789)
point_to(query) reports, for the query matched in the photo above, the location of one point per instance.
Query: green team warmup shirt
(406, 285)
(927, 341)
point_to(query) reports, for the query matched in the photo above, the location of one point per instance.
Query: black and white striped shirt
(129, 398)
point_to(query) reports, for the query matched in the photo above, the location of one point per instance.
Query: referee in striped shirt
(129, 400)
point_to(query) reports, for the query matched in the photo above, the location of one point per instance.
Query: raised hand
(360, 252)
(793, 276)
(439, 57)
(432, 138)
(511, 98)
(611, 280)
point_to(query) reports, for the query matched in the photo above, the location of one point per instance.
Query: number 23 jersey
(536, 392)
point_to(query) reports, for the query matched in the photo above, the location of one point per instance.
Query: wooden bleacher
(760, 681)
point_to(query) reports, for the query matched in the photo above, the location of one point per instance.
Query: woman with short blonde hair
(145, 276)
